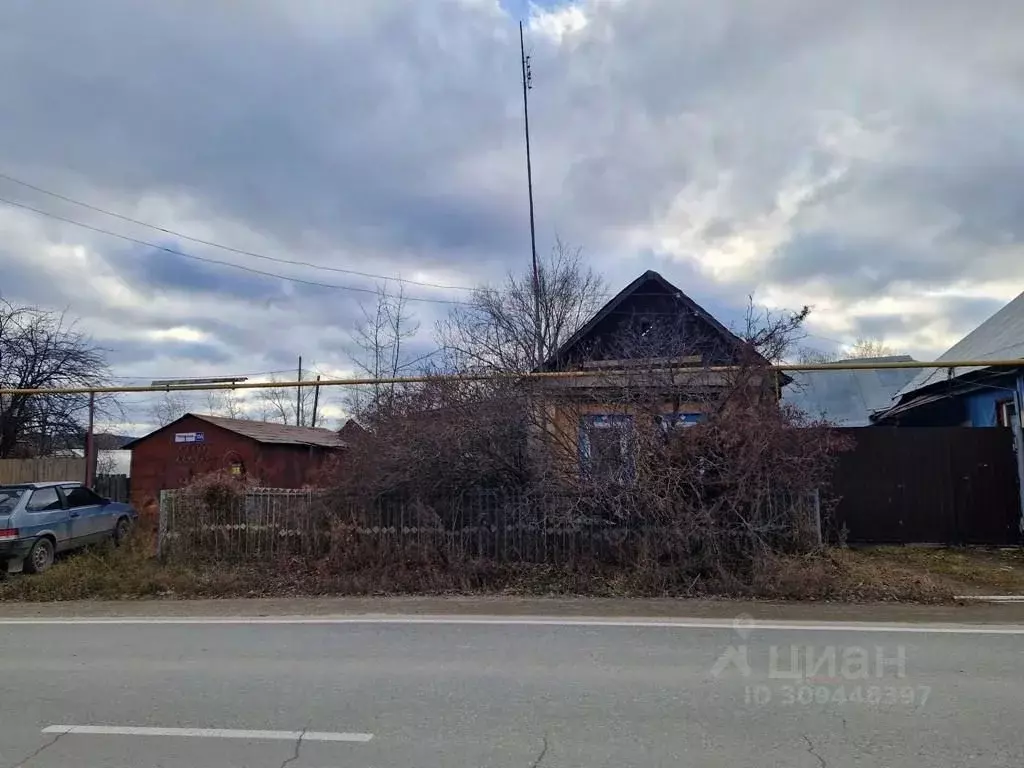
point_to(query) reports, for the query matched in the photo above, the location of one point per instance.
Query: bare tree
(774, 335)
(862, 348)
(281, 404)
(380, 342)
(40, 349)
(225, 402)
(499, 330)
(105, 463)
(171, 405)
(816, 356)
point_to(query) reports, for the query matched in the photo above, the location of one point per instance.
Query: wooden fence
(113, 487)
(897, 485)
(41, 470)
(50, 469)
(497, 526)
(945, 485)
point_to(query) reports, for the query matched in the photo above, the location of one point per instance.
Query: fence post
(817, 517)
(161, 525)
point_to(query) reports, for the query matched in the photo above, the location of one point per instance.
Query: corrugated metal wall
(944, 485)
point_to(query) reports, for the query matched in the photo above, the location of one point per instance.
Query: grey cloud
(21, 281)
(386, 137)
(160, 271)
(353, 136)
(951, 313)
(745, 96)
(718, 229)
(855, 266)
(128, 353)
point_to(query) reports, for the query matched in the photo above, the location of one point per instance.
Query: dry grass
(131, 572)
(847, 576)
(965, 570)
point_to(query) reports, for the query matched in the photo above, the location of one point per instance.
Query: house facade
(975, 396)
(651, 354)
(277, 455)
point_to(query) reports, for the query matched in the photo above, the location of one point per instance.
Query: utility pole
(527, 86)
(90, 444)
(316, 400)
(298, 397)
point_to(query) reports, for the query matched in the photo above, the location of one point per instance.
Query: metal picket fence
(266, 523)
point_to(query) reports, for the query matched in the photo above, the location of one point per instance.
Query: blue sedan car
(37, 520)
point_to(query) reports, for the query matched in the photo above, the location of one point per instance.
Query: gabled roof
(264, 432)
(685, 302)
(1001, 337)
(848, 397)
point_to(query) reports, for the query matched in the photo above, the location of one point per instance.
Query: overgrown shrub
(704, 503)
(206, 515)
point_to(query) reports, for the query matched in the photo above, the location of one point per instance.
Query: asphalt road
(464, 692)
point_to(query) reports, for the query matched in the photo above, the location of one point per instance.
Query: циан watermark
(805, 674)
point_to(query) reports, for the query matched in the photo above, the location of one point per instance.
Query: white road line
(207, 733)
(740, 623)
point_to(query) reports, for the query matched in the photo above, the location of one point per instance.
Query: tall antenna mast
(527, 86)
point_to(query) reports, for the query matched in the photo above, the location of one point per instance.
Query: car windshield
(9, 499)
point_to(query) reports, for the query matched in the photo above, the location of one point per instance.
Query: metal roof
(265, 432)
(1001, 337)
(848, 397)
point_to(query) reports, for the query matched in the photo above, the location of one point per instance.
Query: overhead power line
(244, 268)
(231, 249)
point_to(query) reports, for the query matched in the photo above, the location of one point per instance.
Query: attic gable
(652, 315)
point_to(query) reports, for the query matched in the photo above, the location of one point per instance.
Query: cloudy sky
(864, 158)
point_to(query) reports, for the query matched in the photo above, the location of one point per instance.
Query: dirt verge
(965, 570)
(850, 576)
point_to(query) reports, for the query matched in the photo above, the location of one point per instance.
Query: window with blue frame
(670, 421)
(606, 448)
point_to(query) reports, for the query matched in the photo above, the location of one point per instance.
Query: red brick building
(278, 456)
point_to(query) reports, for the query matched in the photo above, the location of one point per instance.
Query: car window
(43, 500)
(79, 496)
(9, 499)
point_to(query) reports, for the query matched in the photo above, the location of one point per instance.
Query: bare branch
(498, 331)
(170, 406)
(38, 349)
(380, 350)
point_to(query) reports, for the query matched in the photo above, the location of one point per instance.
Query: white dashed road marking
(207, 733)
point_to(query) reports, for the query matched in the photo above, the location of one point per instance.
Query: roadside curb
(991, 598)
(966, 610)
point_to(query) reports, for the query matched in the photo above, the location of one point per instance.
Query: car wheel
(40, 557)
(121, 531)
